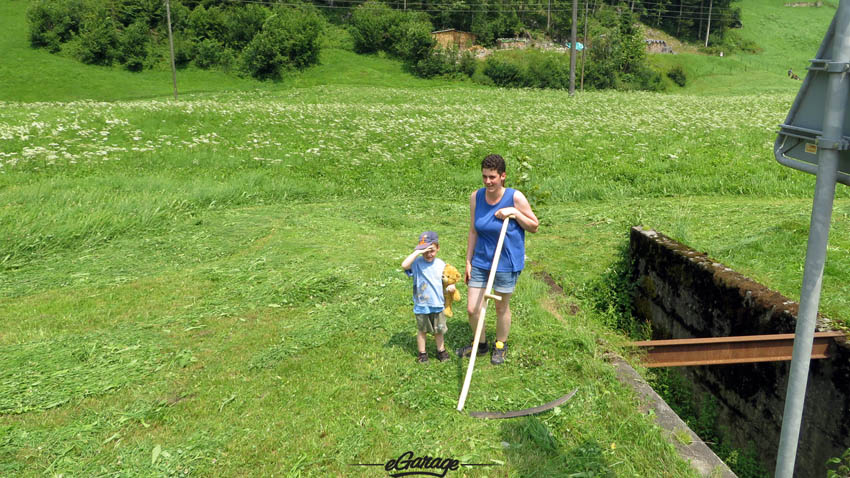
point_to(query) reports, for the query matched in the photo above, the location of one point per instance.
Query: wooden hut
(453, 38)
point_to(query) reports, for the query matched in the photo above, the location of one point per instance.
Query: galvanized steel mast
(829, 144)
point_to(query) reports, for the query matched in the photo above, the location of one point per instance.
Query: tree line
(265, 40)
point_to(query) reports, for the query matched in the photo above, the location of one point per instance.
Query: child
(428, 299)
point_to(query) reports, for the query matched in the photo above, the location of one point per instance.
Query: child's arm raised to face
(408, 261)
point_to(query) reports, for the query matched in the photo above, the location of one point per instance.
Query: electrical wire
(540, 7)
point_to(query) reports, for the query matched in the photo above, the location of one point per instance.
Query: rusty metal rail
(729, 350)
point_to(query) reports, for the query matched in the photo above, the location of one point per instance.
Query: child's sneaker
(467, 351)
(498, 357)
(423, 357)
(442, 355)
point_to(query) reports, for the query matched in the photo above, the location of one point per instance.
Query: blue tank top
(488, 227)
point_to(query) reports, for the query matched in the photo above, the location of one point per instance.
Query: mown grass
(256, 242)
(211, 287)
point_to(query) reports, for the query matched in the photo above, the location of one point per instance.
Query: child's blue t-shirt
(427, 285)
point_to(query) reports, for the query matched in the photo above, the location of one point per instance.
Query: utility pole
(679, 25)
(708, 28)
(548, 16)
(584, 45)
(701, 3)
(171, 47)
(830, 144)
(573, 49)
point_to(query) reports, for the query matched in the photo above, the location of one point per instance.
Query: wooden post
(171, 47)
(573, 49)
(584, 46)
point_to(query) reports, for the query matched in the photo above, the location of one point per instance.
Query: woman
(488, 207)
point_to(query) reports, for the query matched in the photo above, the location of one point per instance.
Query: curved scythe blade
(527, 411)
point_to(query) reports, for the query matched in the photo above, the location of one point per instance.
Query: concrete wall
(686, 294)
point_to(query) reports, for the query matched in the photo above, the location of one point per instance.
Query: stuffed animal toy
(450, 276)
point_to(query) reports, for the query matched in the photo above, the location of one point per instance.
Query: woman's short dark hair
(494, 161)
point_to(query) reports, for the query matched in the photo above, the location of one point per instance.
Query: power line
(501, 8)
(479, 6)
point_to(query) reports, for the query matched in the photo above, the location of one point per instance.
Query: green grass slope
(221, 274)
(28, 75)
(789, 37)
(211, 287)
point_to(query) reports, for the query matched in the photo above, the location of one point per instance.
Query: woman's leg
(503, 317)
(474, 302)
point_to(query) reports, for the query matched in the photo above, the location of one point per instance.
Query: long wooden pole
(480, 325)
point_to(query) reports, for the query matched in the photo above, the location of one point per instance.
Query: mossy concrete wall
(686, 294)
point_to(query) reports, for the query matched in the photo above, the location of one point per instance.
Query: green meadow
(212, 286)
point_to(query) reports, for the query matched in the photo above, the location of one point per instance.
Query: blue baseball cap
(426, 239)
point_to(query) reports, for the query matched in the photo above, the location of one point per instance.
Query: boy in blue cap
(428, 300)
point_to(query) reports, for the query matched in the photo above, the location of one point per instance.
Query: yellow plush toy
(450, 276)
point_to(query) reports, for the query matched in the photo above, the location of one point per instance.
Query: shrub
(242, 24)
(529, 68)
(677, 74)
(438, 62)
(97, 42)
(208, 23)
(503, 72)
(149, 12)
(289, 39)
(370, 26)
(183, 50)
(649, 79)
(208, 53)
(133, 46)
(842, 468)
(53, 22)
(412, 41)
(468, 64)
(549, 70)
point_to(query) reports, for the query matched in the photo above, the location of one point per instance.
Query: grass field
(211, 287)
(788, 38)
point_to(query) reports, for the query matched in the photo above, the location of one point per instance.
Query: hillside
(211, 287)
(789, 38)
(28, 74)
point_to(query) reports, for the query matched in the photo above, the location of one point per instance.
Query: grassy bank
(787, 36)
(222, 272)
(211, 286)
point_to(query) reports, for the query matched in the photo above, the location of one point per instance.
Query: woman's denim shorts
(504, 283)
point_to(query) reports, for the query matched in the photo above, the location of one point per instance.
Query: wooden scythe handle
(488, 294)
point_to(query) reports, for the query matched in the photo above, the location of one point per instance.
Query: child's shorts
(431, 323)
(504, 283)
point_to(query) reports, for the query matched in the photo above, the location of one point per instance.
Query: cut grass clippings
(43, 375)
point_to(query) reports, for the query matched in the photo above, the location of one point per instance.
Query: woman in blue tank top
(488, 207)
